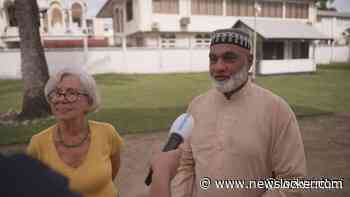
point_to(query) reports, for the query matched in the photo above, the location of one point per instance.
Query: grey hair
(87, 82)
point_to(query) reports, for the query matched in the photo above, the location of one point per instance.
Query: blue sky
(342, 5)
(95, 6)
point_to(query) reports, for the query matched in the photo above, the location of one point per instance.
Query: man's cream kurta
(252, 136)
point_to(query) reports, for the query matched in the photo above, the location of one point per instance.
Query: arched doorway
(77, 14)
(56, 18)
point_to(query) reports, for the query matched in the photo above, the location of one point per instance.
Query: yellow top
(93, 178)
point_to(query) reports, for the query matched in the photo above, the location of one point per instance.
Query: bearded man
(242, 132)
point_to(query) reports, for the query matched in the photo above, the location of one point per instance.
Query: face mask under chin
(234, 82)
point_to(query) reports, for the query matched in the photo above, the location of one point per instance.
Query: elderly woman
(87, 152)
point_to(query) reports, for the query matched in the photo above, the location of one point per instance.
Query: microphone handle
(174, 141)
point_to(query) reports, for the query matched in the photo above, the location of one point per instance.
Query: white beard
(234, 82)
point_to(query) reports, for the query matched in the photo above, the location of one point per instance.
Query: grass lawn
(139, 103)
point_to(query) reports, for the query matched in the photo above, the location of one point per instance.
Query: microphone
(179, 131)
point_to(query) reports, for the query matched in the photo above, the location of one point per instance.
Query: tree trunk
(34, 67)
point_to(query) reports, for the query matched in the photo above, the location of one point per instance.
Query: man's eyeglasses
(70, 95)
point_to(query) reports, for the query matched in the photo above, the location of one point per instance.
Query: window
(240, 7)
(300, 50)
(346, 36)
(246, 8)
(166, 6)
(107, 27)
(139, 41)
(297, 10)
(271, 9)
(202, 40)
(206, 7)
(319, 19)
(129, 10)
(11, 15)
(273, 50)
(90, 26)
(168, 40)
(77, 13)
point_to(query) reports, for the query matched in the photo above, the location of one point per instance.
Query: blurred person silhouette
(23, 176)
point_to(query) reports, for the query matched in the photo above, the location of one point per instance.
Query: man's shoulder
(203, 97)
(266, 94)
(270, 98)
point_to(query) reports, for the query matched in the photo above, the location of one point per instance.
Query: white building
(63, 24)
(188, 23)
(335, 25)
(283, 45)
(173, 22)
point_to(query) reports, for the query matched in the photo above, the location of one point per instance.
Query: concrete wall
(145, 13)
(287, 66)
(155, 60)
(2, 26)
(11, 65)
(334, 27)
(326, 54)
(115, 60)
(136, 60)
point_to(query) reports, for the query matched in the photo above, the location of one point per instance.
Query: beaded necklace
(61, 141)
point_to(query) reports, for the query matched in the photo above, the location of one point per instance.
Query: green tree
(323, 4)
(33, 66)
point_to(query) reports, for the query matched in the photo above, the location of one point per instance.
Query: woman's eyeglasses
(70, 95)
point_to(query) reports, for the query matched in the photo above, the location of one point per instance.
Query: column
(84, 17)
(284, 10)
(334, 22)
(70, 19)
(49, 18)
(224, 7)
(349, 48)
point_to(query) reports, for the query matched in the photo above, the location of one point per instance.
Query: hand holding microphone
(180, 130)
(164, 164)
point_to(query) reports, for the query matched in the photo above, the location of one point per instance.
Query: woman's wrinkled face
(68, 101)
